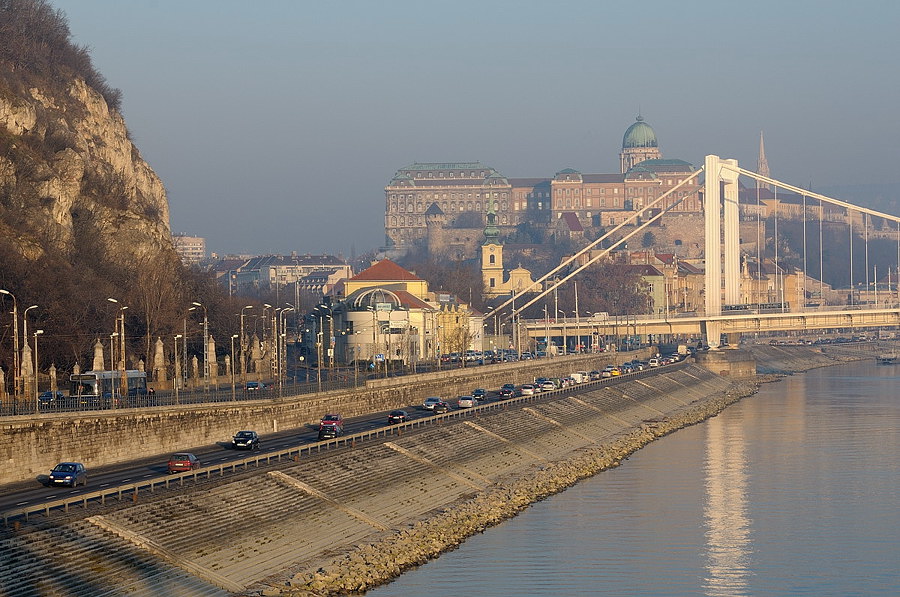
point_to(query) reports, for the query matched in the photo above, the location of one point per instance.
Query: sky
(276, 125)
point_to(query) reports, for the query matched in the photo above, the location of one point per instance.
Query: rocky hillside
(82, 216)
(68, 171)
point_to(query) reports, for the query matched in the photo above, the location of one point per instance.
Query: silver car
(430, 402)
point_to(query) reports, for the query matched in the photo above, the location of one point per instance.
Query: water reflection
(725, 510)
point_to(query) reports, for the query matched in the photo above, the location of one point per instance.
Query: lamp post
(205, 345)
(25, 340)
(243, 344)
(281, 347)
(233, 336)
(177, 374)
(36, 391)
(17, 370)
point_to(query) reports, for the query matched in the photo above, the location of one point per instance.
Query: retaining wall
(32, 445)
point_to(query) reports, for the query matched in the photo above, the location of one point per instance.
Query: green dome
(639, 134)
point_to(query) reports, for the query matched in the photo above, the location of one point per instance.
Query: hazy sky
(275, 125)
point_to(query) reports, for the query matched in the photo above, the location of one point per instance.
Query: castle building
(424, 198)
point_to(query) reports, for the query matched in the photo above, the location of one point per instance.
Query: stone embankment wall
(791, 359)
(32, 445)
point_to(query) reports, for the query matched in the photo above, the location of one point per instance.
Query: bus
(99, 388)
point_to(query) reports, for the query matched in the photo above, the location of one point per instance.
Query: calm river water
(792, 491)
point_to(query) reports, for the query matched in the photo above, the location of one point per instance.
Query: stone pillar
(159, 362)
(713, 248)
(54, 384)
(732, 234)
(98, 357)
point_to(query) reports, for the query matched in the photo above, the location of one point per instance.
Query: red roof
(411, 301)
(571, 220)
(385, 271)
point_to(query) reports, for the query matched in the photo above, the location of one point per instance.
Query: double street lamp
(37, 400)
(206, 368)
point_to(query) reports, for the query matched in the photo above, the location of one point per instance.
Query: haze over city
(276, 126)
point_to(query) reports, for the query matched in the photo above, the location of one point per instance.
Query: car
(527, 389)
(68, 473)
(505, 392)
(330, 432)
(626, 368)
(653, 362)
(51, 399)
(440, 407)
(252, 386)
(479, 393)
(429, 402)
(607, 371)
(181, 462)
(466, 402)
(397, 416)
(332, 420)
(548, 386)
(245, 440)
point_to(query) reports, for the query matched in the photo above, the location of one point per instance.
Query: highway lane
(36, 492)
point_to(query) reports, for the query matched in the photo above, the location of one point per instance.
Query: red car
(183, 461)
(332, 420)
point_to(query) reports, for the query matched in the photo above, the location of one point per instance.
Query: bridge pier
(737, 363)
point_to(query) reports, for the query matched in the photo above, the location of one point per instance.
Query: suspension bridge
(728, 311)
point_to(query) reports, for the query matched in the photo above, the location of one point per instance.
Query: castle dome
(639, 134)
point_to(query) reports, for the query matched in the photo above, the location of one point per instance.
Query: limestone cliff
(69, 174)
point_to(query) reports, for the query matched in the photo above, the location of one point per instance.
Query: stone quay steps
(77, 558)
(300, 515)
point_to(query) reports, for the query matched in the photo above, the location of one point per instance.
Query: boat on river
(887, 359)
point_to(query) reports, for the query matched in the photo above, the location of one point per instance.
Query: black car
(245, 440)
(441, 407)
(50, 399)
(397, 416)
(68, 473)
(330, 432)
(479, 394)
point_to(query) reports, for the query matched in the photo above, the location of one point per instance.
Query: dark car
(330, 432)
(245, 440)
(441, 407)
(68, 473)
(479, 394)
(50, 399)
(252, 386)
(397, 416)
(508, 390)
(183, 461)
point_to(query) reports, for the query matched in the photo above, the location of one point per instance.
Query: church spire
(762, 166)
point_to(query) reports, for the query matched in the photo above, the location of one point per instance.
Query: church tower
(762, 165)
(492, 256)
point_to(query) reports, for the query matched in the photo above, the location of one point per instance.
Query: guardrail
(132, 490)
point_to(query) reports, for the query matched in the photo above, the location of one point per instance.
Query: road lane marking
(23, 503)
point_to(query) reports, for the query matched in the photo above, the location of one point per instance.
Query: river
(792, 491)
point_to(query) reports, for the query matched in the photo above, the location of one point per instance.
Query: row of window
(420, 221)
(462, 174)
(452, 206)
(436, 196)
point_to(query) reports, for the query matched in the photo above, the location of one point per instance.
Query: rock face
(69, 174)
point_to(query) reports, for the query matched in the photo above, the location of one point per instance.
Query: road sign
(379, 357)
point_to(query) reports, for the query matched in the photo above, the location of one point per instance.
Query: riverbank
(376, 563)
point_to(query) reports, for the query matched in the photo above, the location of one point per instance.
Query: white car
(527, 390)
(548, 386)
(654, 362)
(466, 402)
(430, 402)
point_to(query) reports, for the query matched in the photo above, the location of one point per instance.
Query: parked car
(183, 461)
(68, 473)
(245, 440)
(397, 416)
(50, 399)
(527, 389)
(466, 402)
(440, 407)
(429, 402)
(479, 393)
(332, 420)
(330, 432)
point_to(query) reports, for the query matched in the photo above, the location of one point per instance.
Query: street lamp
(205, 344)
(233, 336)
(36, 392)
(243, 344)
(17, 369)
(177, 369)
